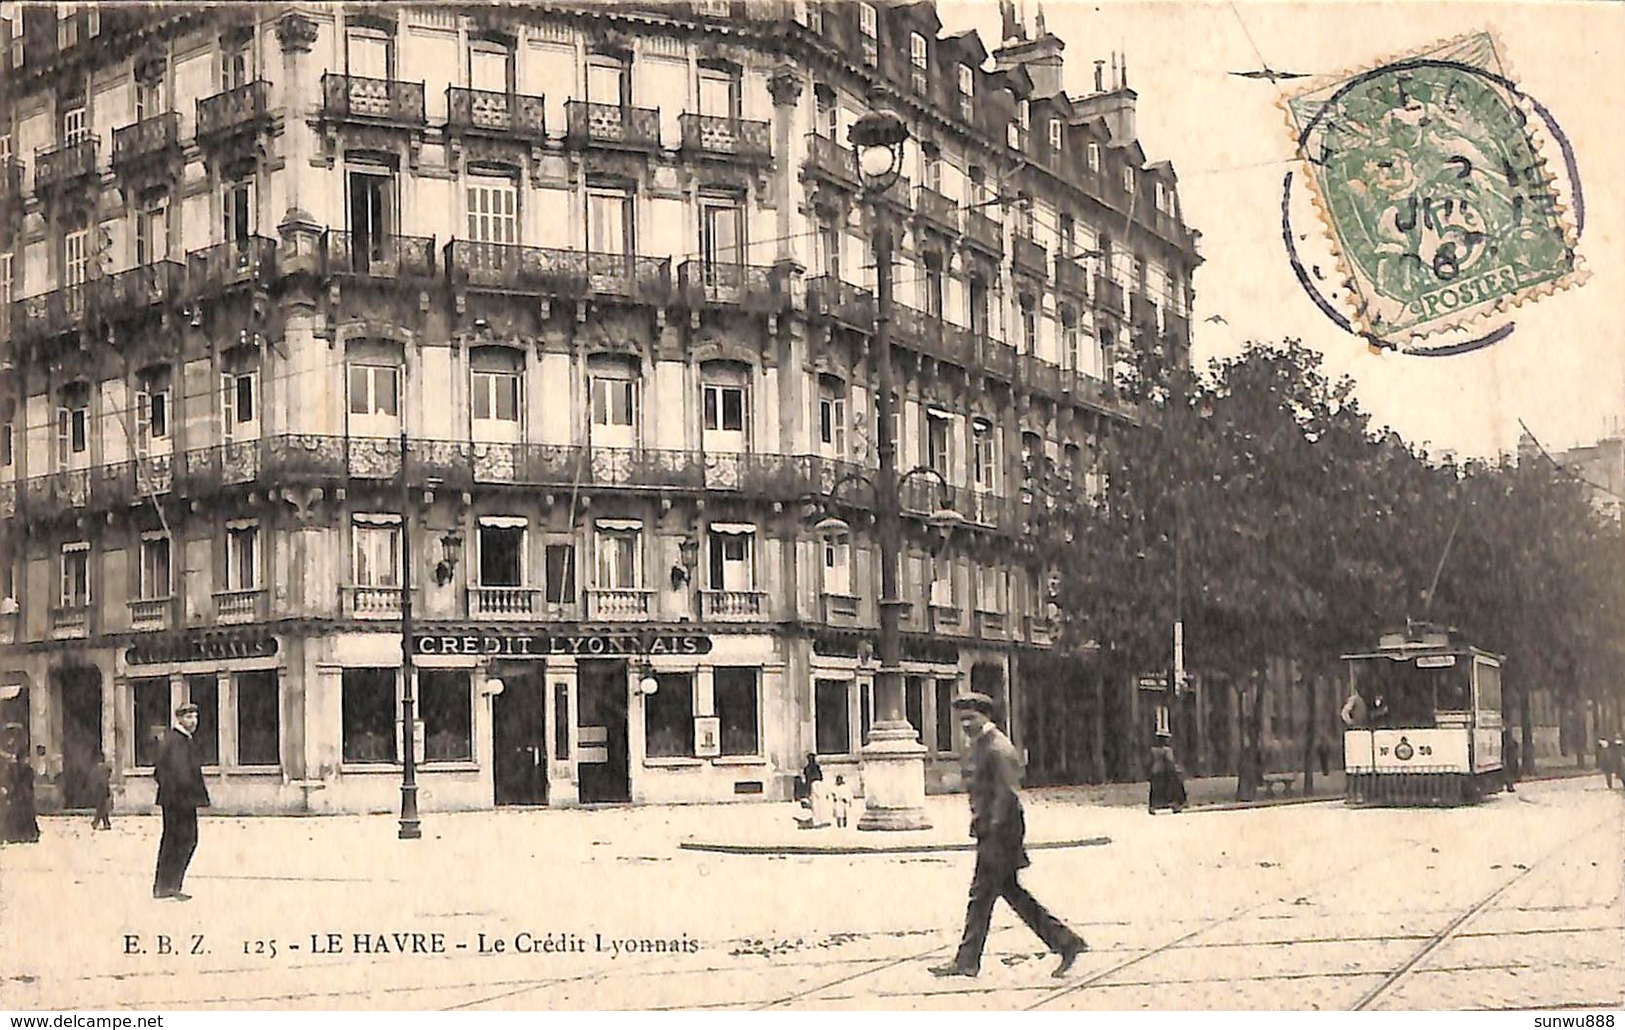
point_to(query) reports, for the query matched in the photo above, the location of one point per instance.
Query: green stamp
(1429, 177)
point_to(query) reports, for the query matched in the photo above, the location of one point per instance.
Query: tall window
(490, 66)
(151, 235)
(831, 417)
(75, 126)
(730, 566)
(722, 233)
(935, 285)
(719, 92)
(371, 52)
(918, 62)
(150, 699)
(945, 690)
(7, 285)
(979, 310)
(446, 701)
(502, 551)
(1092, 154)
(1029, 324)
(832, 718)
(1071, 340)
(242, 556)
(8, 437)
(869, 32)
(967, 92)
(76, 257)
(984, 455)
(493, 210)
(239, 399)
(931, 168)
(1128, 179)
(75, 582)
(73, 426)
(609, 80)
(561, 573)
(619, 558)
(736, 700)
(724, 416)
(372, 216)
(496, 393)
(259, 718)
(236, 65)
(149, 99)
(668, 717)
(374, 399)
(614, 409)
(1055, 137)
(153, 574)
(237, 210)
(837, 548)
(939, 442)
(610, 227)
(377, 552)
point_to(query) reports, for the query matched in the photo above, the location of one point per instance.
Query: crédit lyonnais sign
(581, 645)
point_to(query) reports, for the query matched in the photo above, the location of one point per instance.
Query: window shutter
(143, 423)
(228, 410)
(64, 419)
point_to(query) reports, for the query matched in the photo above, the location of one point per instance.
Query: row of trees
(1258, 504)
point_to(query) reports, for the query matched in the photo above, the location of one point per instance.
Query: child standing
(842, 797)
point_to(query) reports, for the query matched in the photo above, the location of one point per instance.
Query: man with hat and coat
(1000, 830)
(181, 792)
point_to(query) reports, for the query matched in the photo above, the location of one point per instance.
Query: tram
(1423, 720)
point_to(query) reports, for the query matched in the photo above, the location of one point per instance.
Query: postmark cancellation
(1432, 178)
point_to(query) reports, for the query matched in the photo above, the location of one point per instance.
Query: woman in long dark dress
(21, 822)
(1167, 785)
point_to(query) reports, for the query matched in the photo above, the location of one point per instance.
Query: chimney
(1100, 76)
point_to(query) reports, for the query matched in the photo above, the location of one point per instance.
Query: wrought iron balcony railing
(128, 293)
(841, 301)
(386, 257)
(358, 98)
(984, 231)
(628, 276)
(1070, 276)
(230, 264)
(59, 167)
(727, 284)
(511, 268)
(1041, 376)
(1108, 295)
(611, 125)
(997, 358)
(232, 111)
(740, 138)
(486, 112)
(49, 314)
(1029, 255)
(833, 161)
(146, 139)
(936, 208)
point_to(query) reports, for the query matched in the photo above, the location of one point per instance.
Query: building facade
(561, 317)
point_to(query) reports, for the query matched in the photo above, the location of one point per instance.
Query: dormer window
(869, 32)
(1128, 180)
(967, 91)
(1094, 156)
(1055, 135)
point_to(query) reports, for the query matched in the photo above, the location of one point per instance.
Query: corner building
(573, 308)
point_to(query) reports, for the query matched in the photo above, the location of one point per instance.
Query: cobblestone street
(1515, 903)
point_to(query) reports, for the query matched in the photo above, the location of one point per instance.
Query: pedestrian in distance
(1000, 829)
(1167, 782)
(1608, 760)
(22, 819)
(1323, 751)
(1509, 758)
(181, 792)
(810, 774)
(841, 799)
(101, 788)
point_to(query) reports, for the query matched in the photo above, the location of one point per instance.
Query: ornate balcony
(505, 602)
(839, 609)
(70, 621)
(226, 266)
(238, 605)
(610, 125)
(1070, 276)
(740, 139)
(1108, 295)
(910, 327)
(840, 300)
(1040, 631)
(633, 277)
(991, 624)
(49, 314)
(733, 605)
(62, 169)
(997, 358)
(619, 604)
(725, 284)
(480, 112)
(151, 140)
(1041, 376)
(127, 294)
(510, 268)
(389, 257)
(832, 162)
(944, 618)
(235, 112)
(937, 209)
(984, 232)
(149, 613)
(1143, 313)
(371, 602)
(1028, 255)
(1087, 388)
(355, 98)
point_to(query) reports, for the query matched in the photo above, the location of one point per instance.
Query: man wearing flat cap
(1000, 830)
(181, 792)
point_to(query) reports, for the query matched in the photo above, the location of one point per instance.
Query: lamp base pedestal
(893, 779)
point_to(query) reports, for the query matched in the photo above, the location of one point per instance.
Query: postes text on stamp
(1428, 174)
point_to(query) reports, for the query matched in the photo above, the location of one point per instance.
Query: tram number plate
(1405, 750)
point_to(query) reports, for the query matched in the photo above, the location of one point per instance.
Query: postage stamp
(1429, 176)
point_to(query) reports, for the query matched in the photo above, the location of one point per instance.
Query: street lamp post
(893, 759)
(410, 829)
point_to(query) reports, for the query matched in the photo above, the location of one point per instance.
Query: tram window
(1455, 692)
(1489, 687)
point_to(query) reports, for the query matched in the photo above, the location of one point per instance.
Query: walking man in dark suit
(181, 792)
(1000, 830)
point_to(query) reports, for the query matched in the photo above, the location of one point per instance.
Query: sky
(1562, 371)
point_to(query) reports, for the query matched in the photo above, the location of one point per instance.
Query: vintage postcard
(793, 505)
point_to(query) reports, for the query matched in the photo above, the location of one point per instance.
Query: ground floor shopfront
(310, 721)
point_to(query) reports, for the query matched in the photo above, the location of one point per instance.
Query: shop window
(445, 704)
(259, 719)
(370, 715)
(737, 705)
(946, 689)
(152, 718)
(668, 717)
(204, 691)
(914, 703)
(832, 721)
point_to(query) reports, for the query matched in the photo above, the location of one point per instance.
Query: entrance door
(81, 693)
(603, 765)
(519, 728)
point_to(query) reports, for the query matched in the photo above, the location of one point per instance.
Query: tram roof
(1406, 653)
(1422, 638)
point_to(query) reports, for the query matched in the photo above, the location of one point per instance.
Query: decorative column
(298, 229)
(785, 86)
